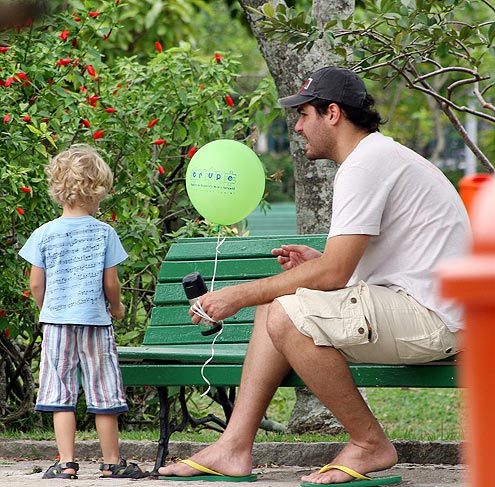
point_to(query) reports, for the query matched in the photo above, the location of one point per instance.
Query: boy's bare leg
(107, 427)
(328, 376)
(64, 425)
(263, 370)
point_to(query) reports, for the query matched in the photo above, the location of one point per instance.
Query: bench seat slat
(229, 375)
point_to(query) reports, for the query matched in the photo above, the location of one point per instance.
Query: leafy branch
(440, 49)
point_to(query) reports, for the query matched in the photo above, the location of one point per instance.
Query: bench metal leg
(165, 428)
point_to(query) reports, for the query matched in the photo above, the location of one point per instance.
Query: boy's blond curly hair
(79, 175)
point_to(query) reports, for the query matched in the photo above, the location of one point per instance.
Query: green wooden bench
(174, 351)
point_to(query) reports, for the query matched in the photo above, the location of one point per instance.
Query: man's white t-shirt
(411, 211)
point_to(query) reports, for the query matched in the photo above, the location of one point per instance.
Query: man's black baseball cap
(331, 83)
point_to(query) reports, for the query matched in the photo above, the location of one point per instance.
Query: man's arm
(111, 288)
(331, 270)
(37, 284)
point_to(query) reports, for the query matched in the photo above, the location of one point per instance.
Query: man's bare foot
(219, 456)
(360, 459)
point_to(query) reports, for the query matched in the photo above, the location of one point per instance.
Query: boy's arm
(37, 284)
(111, 288)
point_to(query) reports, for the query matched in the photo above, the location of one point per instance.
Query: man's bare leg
(263, 370)
(325, 371)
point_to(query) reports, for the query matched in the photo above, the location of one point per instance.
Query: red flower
(25, 294)
(86, 123)
(90, 70)
(93, 99)
(77, 19)
(192, 151)
(4, 49)
(3, 313)
(158, 46)
(64, 35)
(21, 75)
(9, 81)
(218, 58)
(160, 169)
(93, 15)
(110, 110)
(26, 118)
(229, 101)
(25, 189)
(64, 61)
(153, 123)
(6, 118)
(114, 216)
(98, 134)
(159, 141)
(20, 210)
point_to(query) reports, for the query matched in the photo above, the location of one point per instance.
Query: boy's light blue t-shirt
(74, 252)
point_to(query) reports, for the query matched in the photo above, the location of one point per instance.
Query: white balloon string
(208, 361)
(198, 309)
(217, 251)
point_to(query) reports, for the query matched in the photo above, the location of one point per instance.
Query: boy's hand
(118, 313)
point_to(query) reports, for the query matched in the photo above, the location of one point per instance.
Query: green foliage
(145, 115)
(141, 23)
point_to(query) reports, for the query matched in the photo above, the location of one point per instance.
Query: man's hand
(218, 305)
(290, 256)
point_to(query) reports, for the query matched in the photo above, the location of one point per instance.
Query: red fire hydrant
(470, 186)
(471, 281)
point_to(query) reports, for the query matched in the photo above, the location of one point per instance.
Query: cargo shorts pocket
(437, 345)
(340, 318)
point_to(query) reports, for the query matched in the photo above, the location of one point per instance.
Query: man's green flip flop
(361, 480)
(210, 475)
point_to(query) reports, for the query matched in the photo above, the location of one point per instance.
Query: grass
(408, 413)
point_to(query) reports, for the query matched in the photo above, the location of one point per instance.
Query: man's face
(314, 128)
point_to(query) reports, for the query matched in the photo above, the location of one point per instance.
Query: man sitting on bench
(370, 297)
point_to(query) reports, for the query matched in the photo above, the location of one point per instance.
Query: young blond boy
(75, 283)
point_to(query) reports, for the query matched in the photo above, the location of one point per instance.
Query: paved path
(28, 473)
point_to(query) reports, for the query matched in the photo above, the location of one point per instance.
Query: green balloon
(225, 181)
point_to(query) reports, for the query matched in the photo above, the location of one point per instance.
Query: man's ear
(334, 112)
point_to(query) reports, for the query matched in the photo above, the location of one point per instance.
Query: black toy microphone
(194, 287)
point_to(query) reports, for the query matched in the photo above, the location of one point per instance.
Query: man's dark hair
(365, 117)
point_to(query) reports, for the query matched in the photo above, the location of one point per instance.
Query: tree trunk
(313, 179)
(289, 69)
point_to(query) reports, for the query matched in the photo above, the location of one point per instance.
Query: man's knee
(278, 324)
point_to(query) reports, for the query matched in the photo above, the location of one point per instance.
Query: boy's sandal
(123, 470)
(56, 471)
